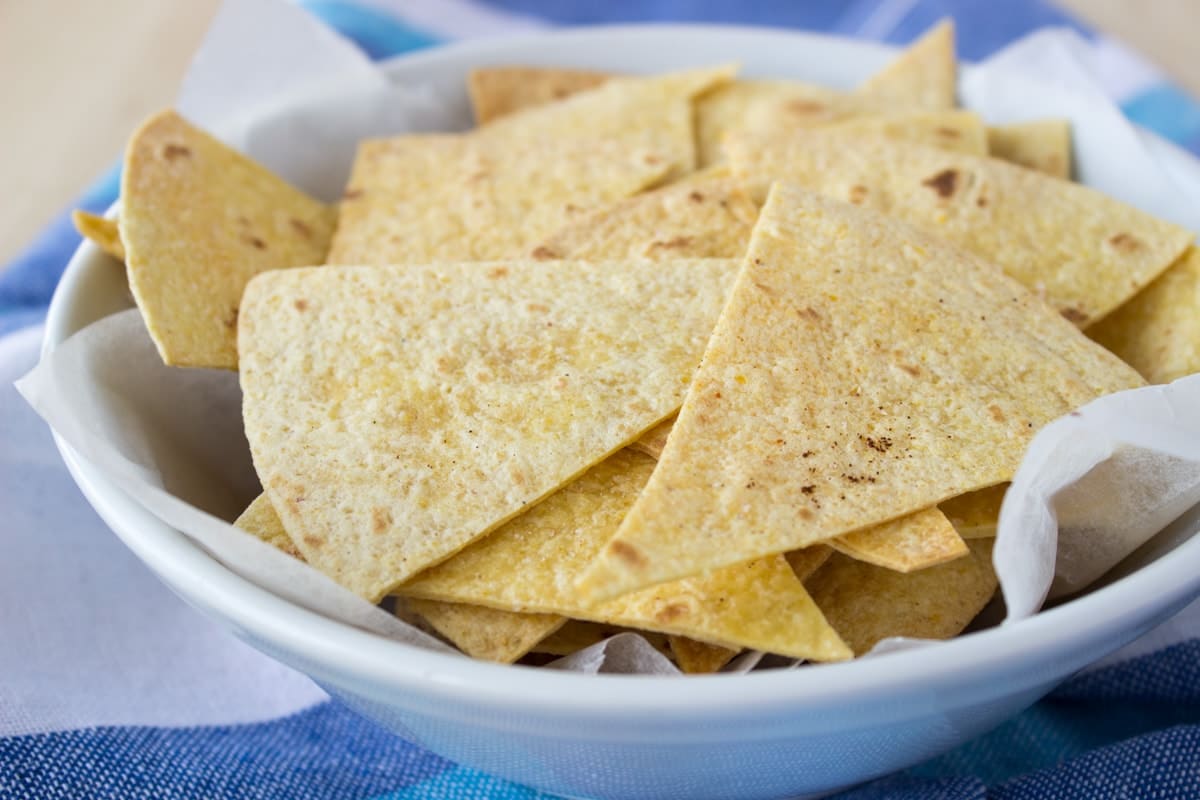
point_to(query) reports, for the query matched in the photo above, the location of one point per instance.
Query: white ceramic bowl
(768, 734)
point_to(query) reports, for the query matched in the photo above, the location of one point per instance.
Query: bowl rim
(332, 650)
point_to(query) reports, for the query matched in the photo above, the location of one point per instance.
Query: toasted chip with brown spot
(1044, 145)
(577, 635)
(487, 633)
(101, 232)
(699, 658)
(801, 424)
(975, 514)
(381, 398)
(865, 603)
(498, 91)
(703, 216)
(531, 563)
(910, 543)
(1085, 251)
(503, 188)
(922, 77)
(961, 131)
(1158, 331)
(198, 221)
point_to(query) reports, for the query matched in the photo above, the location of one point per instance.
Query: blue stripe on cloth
(379, 34)
(465, 784)
(1168, 112)
(325, 752)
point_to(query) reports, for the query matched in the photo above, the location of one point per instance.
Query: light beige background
(76, 76)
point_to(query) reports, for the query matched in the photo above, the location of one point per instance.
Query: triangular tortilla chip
(917, 541)
(865, 603)
(698, 217)
(496, 191)
(198, 221)
(922, 77)
(961, 131)
(100, 231)
(699, 658)
(397, 413)
(975, 514)
(487, 633)
(531, 564)
(1158, 331)
(498, 91)
(1044, 145)
(861, 371)
(1085, 251)
(480, 632)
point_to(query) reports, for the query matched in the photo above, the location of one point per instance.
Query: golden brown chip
(1044, 145)
(198, 221)
(391, 427)
(497, 91)
(698, 217)
(961, 131)
(101, 232)
(487, 633)
(865, 603)
(922, 77)
(911, 543)
(975, 514)
(531, 564)
(1086, 252)
(860, 371)
(1158, 331)
(699, 658)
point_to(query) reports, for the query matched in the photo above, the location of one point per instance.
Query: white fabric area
(88, 635)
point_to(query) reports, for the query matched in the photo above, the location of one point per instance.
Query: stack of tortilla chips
(738, 364)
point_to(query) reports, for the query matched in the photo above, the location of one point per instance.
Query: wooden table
(77, 76)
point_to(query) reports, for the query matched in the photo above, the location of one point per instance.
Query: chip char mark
(627, 553)
(944, 183)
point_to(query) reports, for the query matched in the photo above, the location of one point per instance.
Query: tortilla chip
(763, 105)
(699, 217)
(577, 635)
(487, 633)
(1158, 331)
(699, 658)
(922, 77)
(260, 519)
(865, 603)
(860, 371)
(1044, 145)
(1085, 251)
(975, 514)
(808, 560)
(654, 440)
(961, 131)
(198, 221)
(390, 428)
(100, 231)
(531, 564)
(498, 91)
(911, 543)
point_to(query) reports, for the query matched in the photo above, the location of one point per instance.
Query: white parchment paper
(1109, 476)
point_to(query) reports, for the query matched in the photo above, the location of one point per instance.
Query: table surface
(80, 76)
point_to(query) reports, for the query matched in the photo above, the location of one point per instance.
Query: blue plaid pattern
(1130, 730)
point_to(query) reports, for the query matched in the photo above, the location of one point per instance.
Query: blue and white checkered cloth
(111, 688)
